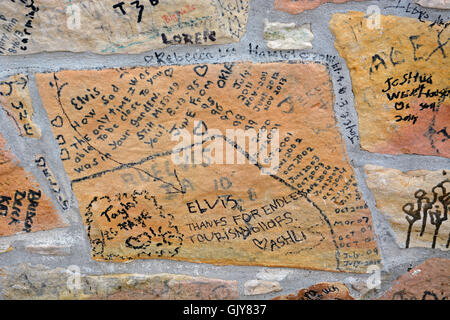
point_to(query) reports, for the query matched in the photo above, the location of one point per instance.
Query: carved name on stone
(416, 204)
(23, 205)
(15, 99)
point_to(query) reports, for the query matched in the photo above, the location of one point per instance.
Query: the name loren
(184, 38)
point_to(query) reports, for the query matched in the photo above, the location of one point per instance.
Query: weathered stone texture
(416, 204)
(399, 70)
(428, 281)
(104, 27)
(15, 99)
(438, 4)
(298, 6)
(49, 250)
(288, 36)
(26, 282)
(257, 287)
(320, 291)
(5, 248)
(23, 205)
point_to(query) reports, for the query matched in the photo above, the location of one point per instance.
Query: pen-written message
(116, 130)
(115, 26)
(23, 205)
(399, 71)
(298, 6)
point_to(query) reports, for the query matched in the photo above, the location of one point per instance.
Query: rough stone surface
(400, 80)
(102, 27)
(428, 281)
(416, 203)
(360, 287)
(298, 6)
(52, 181)
(287, 36)
(320, 291)
(439, 4)
(28, 282)
(258, 287)
(251, 48)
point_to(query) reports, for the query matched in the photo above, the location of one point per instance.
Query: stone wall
(397, 161)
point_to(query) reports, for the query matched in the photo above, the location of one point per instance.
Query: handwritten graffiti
(136, 221)
(427, 295)
(434, 206)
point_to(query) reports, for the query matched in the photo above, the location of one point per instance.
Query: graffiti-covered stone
(24, 207)
(160, 171)
(298, 6)
(416, 204)
(427, 281)
(400, 79)
(38, 282)
(15, 99)
(112, 26)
